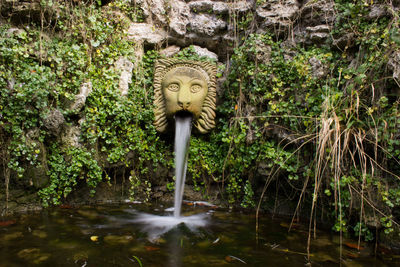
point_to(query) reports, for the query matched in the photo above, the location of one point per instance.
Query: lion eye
(195, 88)
(173, 87)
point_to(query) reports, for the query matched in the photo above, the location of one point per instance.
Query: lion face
(184, 86)
(184, 89)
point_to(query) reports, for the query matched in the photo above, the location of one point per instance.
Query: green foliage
(66, 169)
(135, 12)
(272, 86)
(25, 89)
(276, 83)
(387, 223)
(248, 199)
(232, 152)
(139, 189)
(340, 225)
(267, 89)
(189, 53)
(138, 260)
(39, 73)
(361, 229)
(368, 113)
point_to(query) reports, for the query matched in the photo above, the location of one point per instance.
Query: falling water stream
(157, 225)
(182, 138)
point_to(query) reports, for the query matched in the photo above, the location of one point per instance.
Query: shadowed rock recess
(303, 106)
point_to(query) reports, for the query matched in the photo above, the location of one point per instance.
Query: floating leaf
(151, 248)
(353, 245)
(7, 223)
(94, 238)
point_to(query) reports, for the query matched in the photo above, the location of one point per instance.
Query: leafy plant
(66, 170)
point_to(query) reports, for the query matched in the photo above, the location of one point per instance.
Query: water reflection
(119, 236)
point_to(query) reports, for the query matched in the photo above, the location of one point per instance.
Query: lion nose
(184, 99)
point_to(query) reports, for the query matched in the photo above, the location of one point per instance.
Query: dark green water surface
(108, 236)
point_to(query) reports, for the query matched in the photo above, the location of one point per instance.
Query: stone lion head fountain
(183, 86)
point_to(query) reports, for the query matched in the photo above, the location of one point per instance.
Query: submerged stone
(12, 236)
(323, 257)
(60, 221)
(204, 244)
(86, 231)
(321, 242)
(88, 214)
(33, 255)
(118, 240)
(80, 256)
(39, 233)
(138, 248)
(64, 244)
(159, 240)
(225, 239)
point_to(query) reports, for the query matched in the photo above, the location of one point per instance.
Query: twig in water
(236, 258)
(274, 246)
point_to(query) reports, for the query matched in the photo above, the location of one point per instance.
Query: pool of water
(116, 236)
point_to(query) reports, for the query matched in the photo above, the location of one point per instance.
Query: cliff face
(307, 91)
(220, 25)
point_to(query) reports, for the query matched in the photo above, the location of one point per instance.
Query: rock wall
(219, 25)
(215, 25)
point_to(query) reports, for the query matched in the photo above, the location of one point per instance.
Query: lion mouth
(183, 114)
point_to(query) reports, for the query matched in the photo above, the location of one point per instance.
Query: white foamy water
(182, 138)
(156, 225)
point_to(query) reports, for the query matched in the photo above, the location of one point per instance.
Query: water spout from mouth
(156, 225)
(183, 122)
